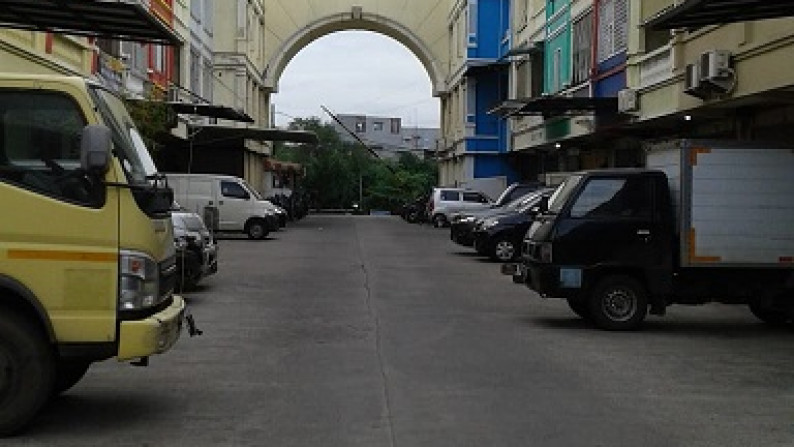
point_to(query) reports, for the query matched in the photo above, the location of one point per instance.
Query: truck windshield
(127, 141)
(563, 192)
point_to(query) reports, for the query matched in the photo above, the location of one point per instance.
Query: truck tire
(580, 308)
(770, 316)
(68, 373)
(256, 229)
(618, 303)
(27, 372)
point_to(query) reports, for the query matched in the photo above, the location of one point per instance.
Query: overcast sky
(356, 72)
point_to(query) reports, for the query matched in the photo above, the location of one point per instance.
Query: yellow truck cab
(87, 260)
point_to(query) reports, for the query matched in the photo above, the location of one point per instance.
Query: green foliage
(335, 170)
(152, 117)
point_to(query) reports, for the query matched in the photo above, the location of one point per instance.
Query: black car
(462, 225)
(500, 236)
(416, 210)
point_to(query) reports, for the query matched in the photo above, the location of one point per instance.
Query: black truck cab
(609, 230)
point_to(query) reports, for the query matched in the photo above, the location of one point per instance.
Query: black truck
(707, 221)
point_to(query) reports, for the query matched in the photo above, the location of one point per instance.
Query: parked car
(232, 204)
(462, 226)
(500, 236)
(509, 195)
(196, 249)
(444, 202)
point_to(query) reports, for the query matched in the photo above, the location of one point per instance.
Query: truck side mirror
(95, 149)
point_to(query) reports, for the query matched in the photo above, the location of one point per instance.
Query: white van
(227, 203)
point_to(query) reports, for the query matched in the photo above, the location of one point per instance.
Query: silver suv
(444, 202)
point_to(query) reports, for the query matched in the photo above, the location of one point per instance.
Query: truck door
(234, 206)
(59, 232)
(612, 223)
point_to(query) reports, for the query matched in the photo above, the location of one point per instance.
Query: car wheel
(27, 372)
(580, 308)
(618, 303)
(257, 229)
(504, 250)
(769, 315)
(412, 217)
(439, 221)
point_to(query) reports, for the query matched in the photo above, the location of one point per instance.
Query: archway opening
(357, 73)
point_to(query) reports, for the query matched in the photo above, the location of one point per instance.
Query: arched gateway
(420, 25)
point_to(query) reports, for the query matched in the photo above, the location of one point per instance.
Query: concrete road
(368, 331)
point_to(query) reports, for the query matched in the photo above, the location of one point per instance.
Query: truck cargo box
(734, 201)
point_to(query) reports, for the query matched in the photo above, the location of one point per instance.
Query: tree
(335, 169)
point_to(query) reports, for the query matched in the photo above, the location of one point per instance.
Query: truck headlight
(139, 282)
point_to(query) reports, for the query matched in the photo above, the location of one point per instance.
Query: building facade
(387, 136)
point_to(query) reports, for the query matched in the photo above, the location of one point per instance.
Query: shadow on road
(724, 328)
(99, 414)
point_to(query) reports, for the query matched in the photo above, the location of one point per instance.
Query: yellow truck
(87, 261)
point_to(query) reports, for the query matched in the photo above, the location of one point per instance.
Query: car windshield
(128, 144)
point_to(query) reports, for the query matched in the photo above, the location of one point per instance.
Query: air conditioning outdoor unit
(627, 100)
(716, 71)
(693, 86)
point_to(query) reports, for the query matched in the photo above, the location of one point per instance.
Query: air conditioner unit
(627, 100)
(715, 64)
(692, 84)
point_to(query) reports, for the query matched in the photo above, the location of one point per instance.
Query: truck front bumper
(153, 335)
(542, 278)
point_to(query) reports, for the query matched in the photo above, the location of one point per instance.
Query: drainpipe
(594, 46)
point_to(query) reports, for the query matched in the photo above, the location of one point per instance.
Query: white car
(444, 202)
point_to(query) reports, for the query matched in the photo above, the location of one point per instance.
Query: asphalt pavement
(369, 331)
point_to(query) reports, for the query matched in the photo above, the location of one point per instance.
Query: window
(556, 82)
(472, 19)
(613, 28)
(474, 197)
(140, 57)
(206, 88)
(453, 196)
(395, 125)
(207, 16)
(582, 37)
(377, 126)
(195, 71)
(159, 58)
(361, 125)
(40, 136)
(195, 10)
(234, 190)
(629, 198)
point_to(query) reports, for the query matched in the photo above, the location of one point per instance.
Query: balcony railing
(656, 67)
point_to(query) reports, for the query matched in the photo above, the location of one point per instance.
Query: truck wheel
(27, 371)
(439, 221)
(257, 229)
(771, 316)
(580, 308)
(68, 373)
(504, 250)
(618, 303)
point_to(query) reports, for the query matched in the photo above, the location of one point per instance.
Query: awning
(208, 110)
(525, 48)
(111, 19)
(697, 13)
(477, 67)
(213, 133)
(555, 106)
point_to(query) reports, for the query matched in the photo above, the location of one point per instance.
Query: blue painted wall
(491, 88)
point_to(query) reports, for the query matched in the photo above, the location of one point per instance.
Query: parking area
(367, 331)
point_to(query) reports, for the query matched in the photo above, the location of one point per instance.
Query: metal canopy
(215, 133)
(487, 67)
(111, 19)
(208, 110)
(697, 13)
(526, 49)
(555, 105)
